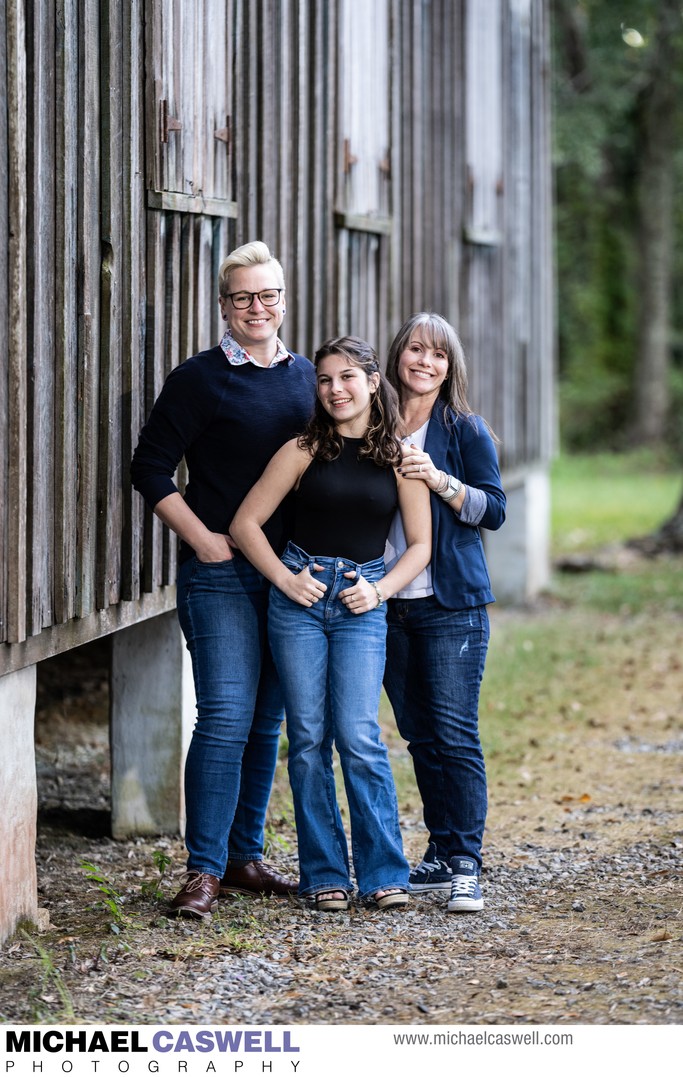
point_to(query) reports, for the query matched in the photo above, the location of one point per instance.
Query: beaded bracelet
(380, 600)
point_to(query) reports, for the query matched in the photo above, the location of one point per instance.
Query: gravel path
(582, 923)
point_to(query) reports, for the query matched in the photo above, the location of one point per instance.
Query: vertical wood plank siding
(15, 552)
(542, 439)
(67, 145)
(517, 376)
(428, 172)
(393, 154)
(40, 336)
(4, 329)
(113, 299)
(133, 409)
(89, 254)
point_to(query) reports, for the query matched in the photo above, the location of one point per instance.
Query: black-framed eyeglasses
(269, 297)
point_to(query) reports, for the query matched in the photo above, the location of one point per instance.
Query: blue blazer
(462, 447)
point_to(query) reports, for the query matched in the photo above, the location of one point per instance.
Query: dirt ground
(582, 881)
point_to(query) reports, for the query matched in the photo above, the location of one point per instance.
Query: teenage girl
(327, 617)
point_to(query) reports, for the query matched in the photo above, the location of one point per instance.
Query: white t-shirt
(396, 545)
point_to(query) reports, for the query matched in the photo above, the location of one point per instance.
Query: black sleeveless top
(344, 507)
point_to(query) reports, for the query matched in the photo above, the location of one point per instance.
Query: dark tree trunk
(657, 122)
(668, 539)
(572, 39)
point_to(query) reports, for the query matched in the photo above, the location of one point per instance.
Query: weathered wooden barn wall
(393, 153)
(471, 200)
(74, 316)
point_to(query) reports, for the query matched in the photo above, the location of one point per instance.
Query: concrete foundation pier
(18, 887)
(152, 712)
(518, 555)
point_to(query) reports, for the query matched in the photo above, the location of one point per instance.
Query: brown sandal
(391, 899)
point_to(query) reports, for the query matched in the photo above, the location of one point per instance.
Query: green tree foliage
(605, 66)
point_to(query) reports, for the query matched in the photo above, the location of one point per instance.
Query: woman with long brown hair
(438, 628)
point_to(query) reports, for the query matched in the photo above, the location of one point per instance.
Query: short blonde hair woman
(227, 411)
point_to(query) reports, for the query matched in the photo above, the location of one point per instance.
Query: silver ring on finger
(420, 468)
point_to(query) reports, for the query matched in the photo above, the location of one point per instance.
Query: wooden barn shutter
(190, 88)
(363, 211)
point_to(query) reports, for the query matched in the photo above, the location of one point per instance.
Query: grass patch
(644, 587)
(610, 497)
(49, 998)
(595, 646)
(599, 649)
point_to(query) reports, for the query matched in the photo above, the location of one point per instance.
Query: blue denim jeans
(435, 663)
(223, 609)
(330, 663)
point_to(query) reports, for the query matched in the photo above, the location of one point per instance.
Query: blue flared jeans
(330, 663)
(435, 664)
(223, 609)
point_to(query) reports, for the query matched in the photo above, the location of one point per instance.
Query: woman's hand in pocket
(214, 548)
(362, 597)
(304, 588)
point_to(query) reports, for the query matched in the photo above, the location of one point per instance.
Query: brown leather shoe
(198, 896)
(254, 877)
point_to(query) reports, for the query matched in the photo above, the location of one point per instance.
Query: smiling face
(422, 368)
(256, 327)
(345, 391)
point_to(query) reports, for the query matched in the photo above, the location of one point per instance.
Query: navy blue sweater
(227, 421)
(463, 447)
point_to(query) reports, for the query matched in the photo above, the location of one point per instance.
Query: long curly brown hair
(321, 435)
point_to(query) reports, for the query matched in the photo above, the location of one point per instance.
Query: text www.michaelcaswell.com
(484, 1039)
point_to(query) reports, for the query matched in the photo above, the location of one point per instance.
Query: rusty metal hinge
(167, 123)
(349, 159)
(224, 134)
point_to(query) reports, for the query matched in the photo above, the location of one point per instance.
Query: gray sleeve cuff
(473, 507)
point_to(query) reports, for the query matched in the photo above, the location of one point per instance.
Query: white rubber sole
(466, 905)
(425, 888)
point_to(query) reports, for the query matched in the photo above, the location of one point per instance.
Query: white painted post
(152, 711)
(18, 884)
(518, 555)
